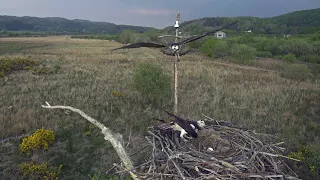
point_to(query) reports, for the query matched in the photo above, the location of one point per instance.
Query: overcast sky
(152, 13)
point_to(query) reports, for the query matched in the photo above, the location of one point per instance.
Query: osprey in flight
(175, 46)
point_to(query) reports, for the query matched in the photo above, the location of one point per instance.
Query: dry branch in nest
(220, 152)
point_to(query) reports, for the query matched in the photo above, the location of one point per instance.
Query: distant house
(220, 35)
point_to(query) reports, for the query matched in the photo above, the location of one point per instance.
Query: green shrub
(41, 171)
(264, 54)
(218, 48)
(223, 48)
(98, 176)
(297, 72)
(310, 161)
(315, 69)
(310, 58)
(316, 48)
(242, 53)
(278, 57)
(199, 43)
(135, 38)
(152, 34)
(229, 48)
(8, 65)
(298, 47)
(126, 36)
(246, 39)
(209, 46)
(290, 58)
(151, 81)
(271, 45)
(316, 36)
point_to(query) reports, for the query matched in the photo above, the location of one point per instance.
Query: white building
(220, 35)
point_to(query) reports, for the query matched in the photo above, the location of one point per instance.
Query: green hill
(62, 25)
(298, 22)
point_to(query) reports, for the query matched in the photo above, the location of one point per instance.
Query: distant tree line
(125, 37)
(97, 36)
(28, 34)
(61, 25)
(298, 22)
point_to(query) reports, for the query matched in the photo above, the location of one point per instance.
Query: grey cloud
(150, 12)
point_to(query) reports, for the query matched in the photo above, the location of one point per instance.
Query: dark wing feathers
(194, 38)
(154, 45)
(194, 122)
(184, 124)
(142, 44)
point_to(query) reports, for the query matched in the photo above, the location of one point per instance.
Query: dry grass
(89, 73)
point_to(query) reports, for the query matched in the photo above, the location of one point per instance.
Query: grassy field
(87, 74)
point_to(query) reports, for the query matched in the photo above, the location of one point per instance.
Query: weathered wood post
(175, 108)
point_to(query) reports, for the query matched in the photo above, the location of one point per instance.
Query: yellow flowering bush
(310, 158)
(41, 139)
(8, 65)
(34, 171)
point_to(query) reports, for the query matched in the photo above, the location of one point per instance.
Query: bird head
(201, 123)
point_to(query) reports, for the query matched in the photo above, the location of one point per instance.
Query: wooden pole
(175, 108)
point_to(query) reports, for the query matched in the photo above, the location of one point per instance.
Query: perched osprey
(196, 125)
(186, 127)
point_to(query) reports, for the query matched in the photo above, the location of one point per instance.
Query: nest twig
(220, 152)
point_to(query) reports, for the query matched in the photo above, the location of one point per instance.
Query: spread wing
(142, 44)
(184, 124)
(155, 45)
(194, 38)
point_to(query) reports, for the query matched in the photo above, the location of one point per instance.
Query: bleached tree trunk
(108, 135)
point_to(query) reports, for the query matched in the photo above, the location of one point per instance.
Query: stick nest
(220, 152)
